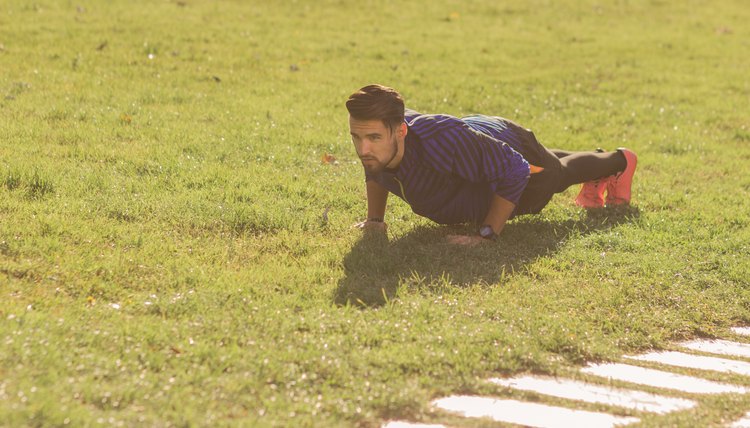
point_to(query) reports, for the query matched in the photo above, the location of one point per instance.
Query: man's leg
(561, 153)
(581, 167)
(599, 172)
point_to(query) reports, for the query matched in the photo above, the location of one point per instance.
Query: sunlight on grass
(175, 240)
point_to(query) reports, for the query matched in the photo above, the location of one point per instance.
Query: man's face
(376, 145)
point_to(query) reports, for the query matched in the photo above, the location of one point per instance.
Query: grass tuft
(39, 186)
(12, 180)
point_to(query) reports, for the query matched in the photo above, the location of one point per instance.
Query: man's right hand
(372, 226)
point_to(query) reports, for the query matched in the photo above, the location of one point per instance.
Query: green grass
(163, 257)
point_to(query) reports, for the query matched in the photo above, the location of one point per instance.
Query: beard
(373, 165)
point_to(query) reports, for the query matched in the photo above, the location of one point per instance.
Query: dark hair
(377, 102)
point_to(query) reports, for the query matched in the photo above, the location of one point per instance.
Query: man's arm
(500, 211)
(377, 197)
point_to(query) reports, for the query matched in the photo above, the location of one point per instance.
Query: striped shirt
(452, 167)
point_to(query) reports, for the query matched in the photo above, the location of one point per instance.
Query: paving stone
(661, 379)
(700, 362)
(528, 414)
(742, 423)
(591, 393)
(722, 347)
(540, 415)
(399, 424)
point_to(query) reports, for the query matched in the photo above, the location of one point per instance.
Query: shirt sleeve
(479, 158)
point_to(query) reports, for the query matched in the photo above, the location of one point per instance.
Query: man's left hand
(465, 240)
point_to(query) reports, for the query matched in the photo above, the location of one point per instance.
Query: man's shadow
(376, 267)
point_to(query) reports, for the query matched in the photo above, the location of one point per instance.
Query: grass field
(164, 259)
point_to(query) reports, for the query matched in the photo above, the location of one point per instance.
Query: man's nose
(365, 147)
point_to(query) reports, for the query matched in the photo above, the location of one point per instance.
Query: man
(477, 169)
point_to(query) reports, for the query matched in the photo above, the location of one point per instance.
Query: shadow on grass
(376, 267)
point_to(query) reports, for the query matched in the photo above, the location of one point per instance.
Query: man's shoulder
(429, 125)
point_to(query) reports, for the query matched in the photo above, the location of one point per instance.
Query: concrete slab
(742, 423)
(680, 359)
(742, 331)
(600, 394)
(661, 379)
(528, 414)
(400, 424)
(721, 347)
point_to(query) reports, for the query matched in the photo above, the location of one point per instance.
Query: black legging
(580, 167)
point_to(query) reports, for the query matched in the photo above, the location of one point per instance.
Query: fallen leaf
(454, 16)
(329, 159)
(125, 118)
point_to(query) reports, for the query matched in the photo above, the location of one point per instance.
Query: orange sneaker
(618, 189)
(592, 193)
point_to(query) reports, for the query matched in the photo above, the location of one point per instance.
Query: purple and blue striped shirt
(452, 167)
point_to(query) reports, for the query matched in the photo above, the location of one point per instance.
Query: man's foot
(592, 193)
(618, 189)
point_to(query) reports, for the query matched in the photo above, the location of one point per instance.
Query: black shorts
(542, 185)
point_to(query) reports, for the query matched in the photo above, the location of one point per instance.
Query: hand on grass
(371, 226)
(465, 240)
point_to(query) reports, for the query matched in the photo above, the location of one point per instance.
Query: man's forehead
(366, 126)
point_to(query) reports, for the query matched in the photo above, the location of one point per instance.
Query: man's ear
(403, 130)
